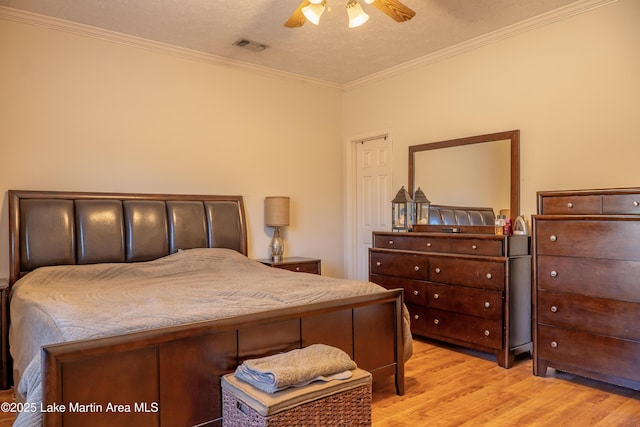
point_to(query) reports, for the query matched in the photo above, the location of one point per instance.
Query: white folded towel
(296, 368)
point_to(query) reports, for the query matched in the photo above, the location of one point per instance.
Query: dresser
(586, 275)
(472, 290)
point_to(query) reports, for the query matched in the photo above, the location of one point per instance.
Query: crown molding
(56, 24)
(475, 43)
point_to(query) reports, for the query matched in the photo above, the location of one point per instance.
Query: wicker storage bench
(321, 404)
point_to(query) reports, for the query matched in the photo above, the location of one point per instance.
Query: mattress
(67, 303)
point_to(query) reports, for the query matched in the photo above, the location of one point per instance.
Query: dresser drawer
(399, 264)
(599, 316)
(595, 238)
(400, 241)
(590, 204)
(467, 272)
(604, 278)
(440, 244)
(413, 242)
(466, 328)
(478, 247)
(415, 291)
(296, 264)
(418, 315)
(303, 267)
(591, 352)
(571, 205)
(462, 299)
(613, 204)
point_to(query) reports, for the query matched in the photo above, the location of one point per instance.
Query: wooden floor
(449, 386)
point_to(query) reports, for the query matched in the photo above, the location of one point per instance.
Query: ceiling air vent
(251, 45)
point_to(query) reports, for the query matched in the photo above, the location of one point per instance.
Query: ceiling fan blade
(394, 9)
(297, 19)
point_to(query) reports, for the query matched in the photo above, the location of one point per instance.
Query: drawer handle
(436, 321)
(378, 264)
(428, 244)
(436, 296)
(569, 205)
(391, 242)
(486, 332)
(554, 309)
(489, 276)
(554, 344)
(487, 304)
(437, 270)
(553, 237)
(416, 293)
(297, 268)
(474, 247)
(416, 268)
(415, 316)
(636, 204)
(554, 273)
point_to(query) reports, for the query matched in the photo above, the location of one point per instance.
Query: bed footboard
(171, 376)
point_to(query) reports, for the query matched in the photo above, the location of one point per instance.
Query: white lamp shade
(276, 211)
(313, 12)
(357, 16)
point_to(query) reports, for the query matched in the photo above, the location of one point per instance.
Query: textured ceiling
(328, 52)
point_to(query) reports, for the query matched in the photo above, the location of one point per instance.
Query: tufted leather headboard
(54, 228)
(460, 215)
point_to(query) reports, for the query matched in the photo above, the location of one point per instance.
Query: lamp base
(276, 247)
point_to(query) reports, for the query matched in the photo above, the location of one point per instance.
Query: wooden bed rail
(171, 376)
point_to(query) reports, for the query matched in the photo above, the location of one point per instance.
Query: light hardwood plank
(450, 386)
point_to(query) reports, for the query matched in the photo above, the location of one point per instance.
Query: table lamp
(276, 214)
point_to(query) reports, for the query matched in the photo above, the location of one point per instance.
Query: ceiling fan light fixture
(313, 12)
(316, 1)
(357, 16)
(367, 1)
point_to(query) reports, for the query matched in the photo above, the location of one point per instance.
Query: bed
(163, 365)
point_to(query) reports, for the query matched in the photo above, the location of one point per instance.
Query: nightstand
(297, 264)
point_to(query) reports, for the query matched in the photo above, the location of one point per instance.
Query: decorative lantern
(402, 211)
(421, 207)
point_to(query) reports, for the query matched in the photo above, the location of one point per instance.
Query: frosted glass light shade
(313, 12)
(276, 211)
(357, 16)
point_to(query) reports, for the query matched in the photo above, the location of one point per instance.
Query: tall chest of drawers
(472, 290)
(586, 275)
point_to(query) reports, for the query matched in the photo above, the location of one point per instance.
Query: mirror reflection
(469, 175)
(478, 171)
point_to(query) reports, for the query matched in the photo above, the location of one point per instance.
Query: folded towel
(296, 368)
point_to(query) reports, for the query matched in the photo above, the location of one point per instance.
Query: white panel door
(373, 196)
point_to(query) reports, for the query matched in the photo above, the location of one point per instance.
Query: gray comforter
(66, 303)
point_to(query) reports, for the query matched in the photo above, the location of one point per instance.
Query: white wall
(571, 87)
(79, 113)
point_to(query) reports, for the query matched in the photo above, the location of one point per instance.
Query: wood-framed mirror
(479, 171)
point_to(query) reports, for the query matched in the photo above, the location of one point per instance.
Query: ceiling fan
(310, 10)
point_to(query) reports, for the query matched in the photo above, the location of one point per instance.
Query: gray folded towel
(296, 368)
